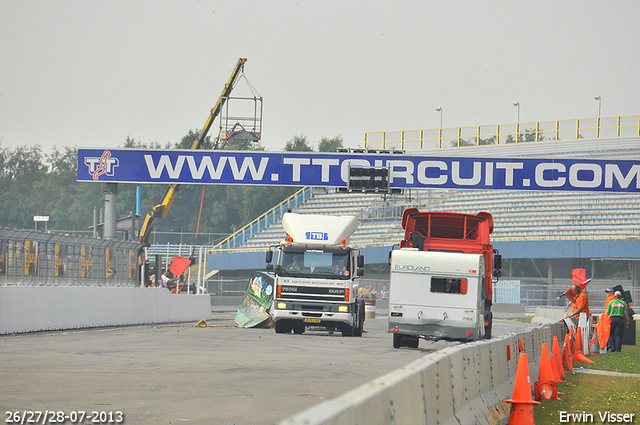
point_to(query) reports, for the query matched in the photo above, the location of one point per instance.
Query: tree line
(35, 183)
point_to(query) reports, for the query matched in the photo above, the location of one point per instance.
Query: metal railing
(271, 216)
(500, 134)
(30, 258)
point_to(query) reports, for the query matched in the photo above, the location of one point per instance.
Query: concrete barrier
(40, 308)
(545, 315)
(508, 311)
(463, 384)
(225, 302)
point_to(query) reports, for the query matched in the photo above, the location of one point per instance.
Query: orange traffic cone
(546, 386)
(578, 356)
(521, 402)
(568, 342)
(567, 364)
(556, 373)
(555, 351)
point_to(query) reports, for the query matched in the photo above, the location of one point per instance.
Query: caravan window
(448, 285)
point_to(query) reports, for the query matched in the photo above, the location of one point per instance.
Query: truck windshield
(316, 264)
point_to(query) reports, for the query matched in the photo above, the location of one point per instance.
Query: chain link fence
(30, 258)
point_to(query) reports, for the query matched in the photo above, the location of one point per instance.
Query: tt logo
(103, 165)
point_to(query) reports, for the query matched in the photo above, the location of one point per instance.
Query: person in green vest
(618, 311)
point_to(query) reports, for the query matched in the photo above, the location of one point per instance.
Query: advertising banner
(332, 169)
(60, 257)
(3, 257)
(30, 258)
(133, 264)
(110, 263)
(86, 257)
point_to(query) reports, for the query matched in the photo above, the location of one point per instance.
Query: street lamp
(517, 104)
(439, 109)
(599, 99)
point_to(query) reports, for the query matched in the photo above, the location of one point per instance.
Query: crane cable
(254, 92)
(193, 248)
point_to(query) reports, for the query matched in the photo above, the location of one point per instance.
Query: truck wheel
(412, 342)
(282, 327)
(488, 319)
(359, 320)
(397, 340)
(347, 330)
(298, 328)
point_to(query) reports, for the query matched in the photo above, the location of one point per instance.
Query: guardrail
(271, 216)
(464, 384)
(499, 134)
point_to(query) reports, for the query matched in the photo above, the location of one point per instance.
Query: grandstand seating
(535, 215)
(517, 214)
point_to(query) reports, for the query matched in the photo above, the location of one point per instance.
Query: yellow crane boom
(161, 210)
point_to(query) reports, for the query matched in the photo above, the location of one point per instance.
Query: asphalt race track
(172, 374)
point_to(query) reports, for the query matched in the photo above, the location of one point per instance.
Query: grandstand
(566, 229)
(524, 215)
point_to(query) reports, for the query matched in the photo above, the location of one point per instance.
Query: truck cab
(316, 275)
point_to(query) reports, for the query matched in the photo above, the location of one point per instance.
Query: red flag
(179, 265)
(578, 275)
(584, 284)
(570, 295)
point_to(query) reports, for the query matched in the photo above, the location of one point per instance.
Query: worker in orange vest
(580, 304)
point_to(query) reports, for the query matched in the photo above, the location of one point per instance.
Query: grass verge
(593, 394)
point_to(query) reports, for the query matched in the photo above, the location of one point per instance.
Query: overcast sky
(90, 73)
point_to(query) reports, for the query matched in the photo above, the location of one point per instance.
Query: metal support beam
(110, 210)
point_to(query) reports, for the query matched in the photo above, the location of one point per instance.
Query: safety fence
(464, 384)
(538, 292)
(30, 258)
(499, 134)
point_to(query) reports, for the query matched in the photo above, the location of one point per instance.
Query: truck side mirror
(269, 258)
(497, 262)
(360, 262)
(269, 266)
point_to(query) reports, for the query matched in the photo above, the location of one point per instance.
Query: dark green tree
(526, 135)
(298, 144)
(187, 141)
(330, 145)
(21, 170)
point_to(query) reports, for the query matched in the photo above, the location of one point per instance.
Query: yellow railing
(500, 134)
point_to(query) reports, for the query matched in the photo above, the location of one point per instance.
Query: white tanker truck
(315, 275)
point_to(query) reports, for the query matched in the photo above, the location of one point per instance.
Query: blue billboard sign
(332, 169)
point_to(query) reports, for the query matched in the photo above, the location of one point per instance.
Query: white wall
(39, 308)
